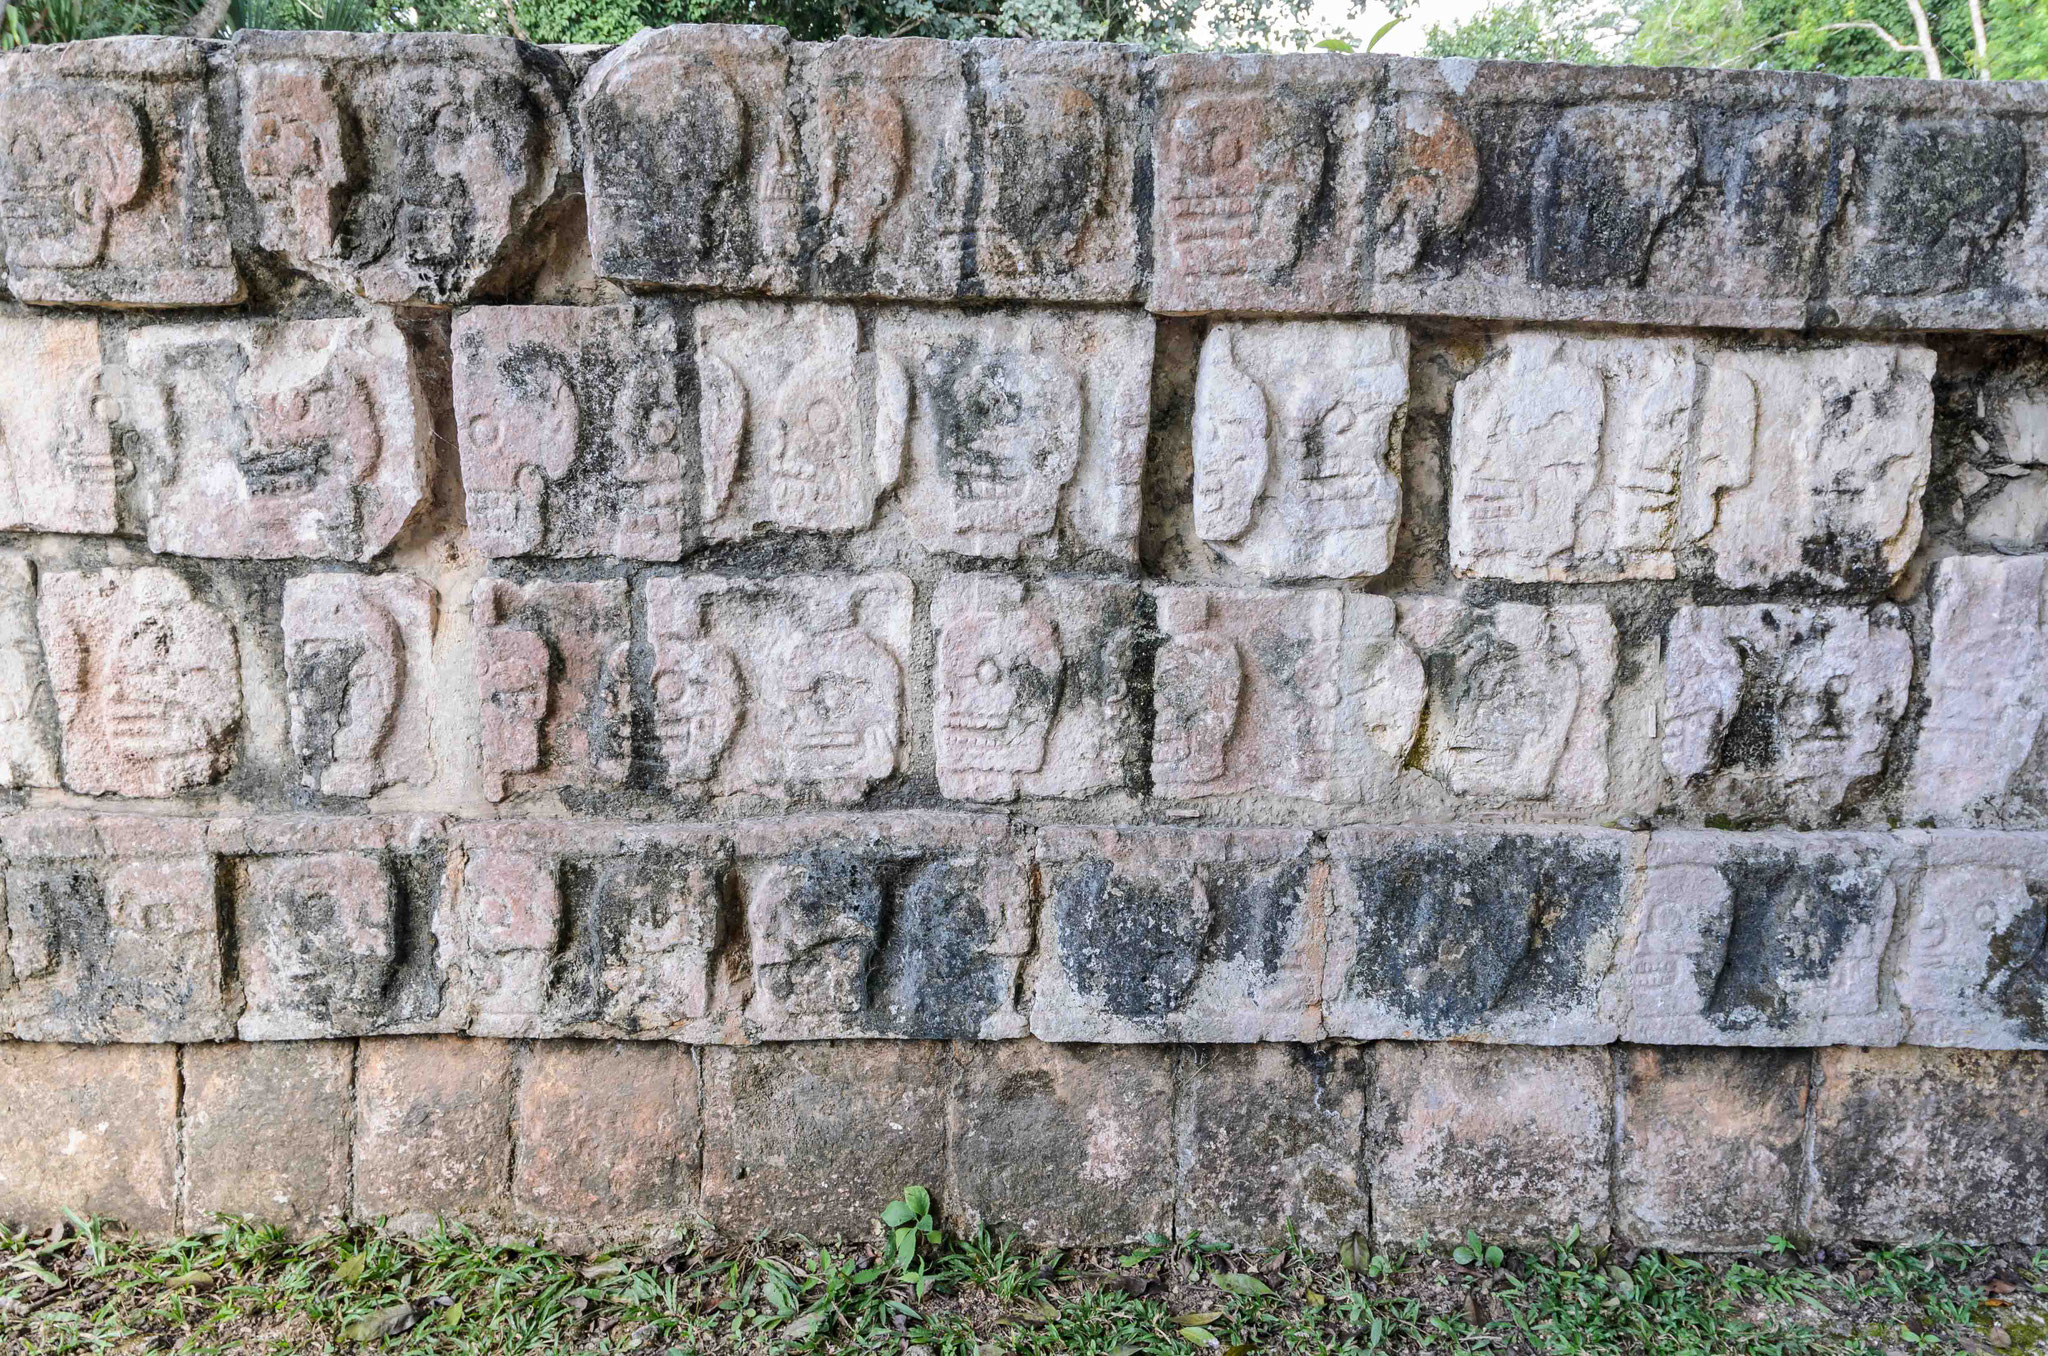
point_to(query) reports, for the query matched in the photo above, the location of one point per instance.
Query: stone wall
(718, 627)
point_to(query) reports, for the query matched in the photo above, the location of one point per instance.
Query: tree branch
(210, 17)
(1983, 39)
(1926, 32)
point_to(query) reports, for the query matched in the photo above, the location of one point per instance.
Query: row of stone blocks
(1069, 1144)
(957, 927)
(1281, 706)
(426, 169)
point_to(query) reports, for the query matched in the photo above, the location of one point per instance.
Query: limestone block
(1261, 172)
(792, 687)
(1023, 433)
(147, 680)
(1512, 1141)
(887, 142)
(1993, 418)
(107, 197)
(551, 668)
(89, 1129)
(1781, 711)
(1057, 132)
(358, 654)
(1764, 939)
(1271, 1137)
(1178, 934)
(1977, 755)
(1711, 1151)
(102, 950)
(28, 709)
(799, 429)
(571, 431)
(1589, 459)
(266, 1130)
(404, 168)
(1306, 693)
(1033, 686)
(594, 929)
(278, 439)
(813, 1138)
(1913, 1145)
(60, 468)
(1298, 446)
(1973, 970)
(1518, 700)
(433, 1128)
(339, 944)
(909, 924)
(607, 1135)
(691, 159)
(1475, 934)
(1073, 1142)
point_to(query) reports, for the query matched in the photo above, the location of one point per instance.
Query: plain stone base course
(593, 1142)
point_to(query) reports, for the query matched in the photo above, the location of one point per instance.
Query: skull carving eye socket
(487, 431)
(989, 673)
(822, 417)
(1341, 418)
(268, 129)
(26, 150)
(661, 428)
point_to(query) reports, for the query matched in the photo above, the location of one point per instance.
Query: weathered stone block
(147, 678)
(1309, 693)
(1519, 700)
(1764, 939)
(1973, 970)
(792, 687)
(1033, 686)
(553, 678)
(1023, 434)
(28, 705)
(1261, 172)
(1073, 1142)
(607, 1135)
(1781, 711)
(433, 1127)
(60, 468)
(1589, 459)
(690, 159)
(1270, 1136)
(886, 143)
(1511, 1141)
(403, 168)
(1057, 132)
(106, 194)
(1991, 430)
(1978, 750)
(571, 431)
(909, 925)
(93, 1129)
(1475, 934)
(1912, 1144)
(294, 439)
(814, 1138)
(103, 950)
(359, 675)
(1298, 446)
(1178, 934)
(511, 924)
(339, 943)
(266, 1130)
(1711, 1151)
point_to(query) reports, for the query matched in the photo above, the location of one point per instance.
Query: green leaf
(918, 1199)
(1201, 1320)
(1201, 1337)
(384, 1322)
(896, 1214)
(906, 1248)
(868, 1277)
(804, 1325)
(1384, 29)
(1339, 44)
(1353, 1254)
(1238, 1283)
(351, 1269)
(1462, 1255)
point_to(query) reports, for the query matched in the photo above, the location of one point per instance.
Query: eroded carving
(28, 745)
(1607, 178)
(1297, 446)
(60, 467)
(1928, 201)
(553, 677)
(321, 942)
(699, 696)
(1248, 169)
(1781, 710)
(358, 673)
(147, 681)
(661, 918)
(511, 919)
(1435, 184)
(1974, 969)
(1979, 751)
(277, 440)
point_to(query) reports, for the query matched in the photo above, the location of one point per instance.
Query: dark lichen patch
(613, 909)
(1255, 913)
(1454, 928)
(1130, 943)
(1938, 193)
(1790, 917)
(1593, 215)
(2017, 979)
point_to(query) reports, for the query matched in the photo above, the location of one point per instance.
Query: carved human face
(1246, 167)
(1049, 160)
(996, 696)
(1508, 706)
(345, 691)
(647, 449)
(292, 157)
(838, 699)
(1830, 724)
(513, 669)
(1339, 440)
(311, 431)
(70, 157)
(697, 698)
(1535, 431)
(171, 689)
(1198, 684)
(812, 465)
(524, 438)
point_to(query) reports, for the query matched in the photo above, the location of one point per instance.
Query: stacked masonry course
(715, 628)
